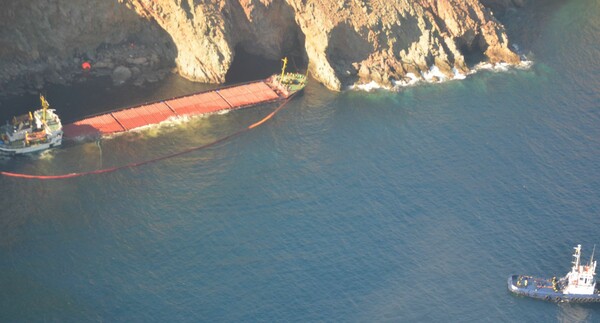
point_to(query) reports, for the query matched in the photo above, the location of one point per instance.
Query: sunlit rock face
(345, 42)
(206, 33)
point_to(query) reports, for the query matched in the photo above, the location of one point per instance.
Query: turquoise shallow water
(409, 206)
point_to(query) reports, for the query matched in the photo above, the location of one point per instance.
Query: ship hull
(54, 142)
(544, 289)
(223, 99)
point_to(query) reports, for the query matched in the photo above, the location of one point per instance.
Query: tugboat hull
(55, 142)
(546, 289)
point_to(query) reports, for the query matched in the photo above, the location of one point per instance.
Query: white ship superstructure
(32, 132)
(581, 279)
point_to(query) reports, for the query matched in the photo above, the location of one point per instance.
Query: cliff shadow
(114, 35)
(248, 67)
(264, 36)
(474, 52)
(50, 45)
(346, 47)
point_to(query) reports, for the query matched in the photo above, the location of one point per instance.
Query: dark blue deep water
(354, 206)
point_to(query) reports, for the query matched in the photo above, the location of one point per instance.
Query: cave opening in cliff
(248, 66)
(473, 52)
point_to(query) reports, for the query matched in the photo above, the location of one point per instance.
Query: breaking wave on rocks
(435, 75)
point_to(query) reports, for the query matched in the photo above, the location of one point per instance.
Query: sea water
(402, 206)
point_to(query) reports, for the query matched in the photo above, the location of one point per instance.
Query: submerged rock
(138, 61)
(120, 75)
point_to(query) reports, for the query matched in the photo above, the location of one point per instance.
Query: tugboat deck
(578, 286)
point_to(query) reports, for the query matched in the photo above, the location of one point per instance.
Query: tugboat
(578, 286)
(32, 132)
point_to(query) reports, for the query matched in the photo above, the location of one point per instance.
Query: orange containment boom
(229, 98)
(137, 164)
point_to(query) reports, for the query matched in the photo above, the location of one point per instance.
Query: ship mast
(576, 258)
(284, 60)
(44, 107)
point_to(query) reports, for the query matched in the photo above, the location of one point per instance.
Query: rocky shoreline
(123, 63)
(346, 43)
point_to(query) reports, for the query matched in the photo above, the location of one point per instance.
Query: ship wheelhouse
(581, 278)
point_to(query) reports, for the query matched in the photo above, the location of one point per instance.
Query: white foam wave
(435, 75)
(168, 123)
(458, 75)
(500, 67)
(368, 87)
(47, 154)
(173, 121)
(408, 80)
(524, 64)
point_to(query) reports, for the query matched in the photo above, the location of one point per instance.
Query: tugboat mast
(576, 258)
(577, 286)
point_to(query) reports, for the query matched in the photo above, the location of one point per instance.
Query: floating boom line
(142, 163)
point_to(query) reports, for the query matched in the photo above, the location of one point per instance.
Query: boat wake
(170, 123)
(45, 155)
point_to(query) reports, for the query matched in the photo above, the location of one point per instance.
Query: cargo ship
(32, 132)
(275, 88)
(578, 286)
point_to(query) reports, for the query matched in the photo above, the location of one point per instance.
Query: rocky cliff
(344, 41)
(46, 40)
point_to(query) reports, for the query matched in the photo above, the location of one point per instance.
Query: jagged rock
(135, 71)
(38, 82)
(120, 75)
(103, 64)
(344, 42)
(138, 61)
(385, 38)
(36, 35)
